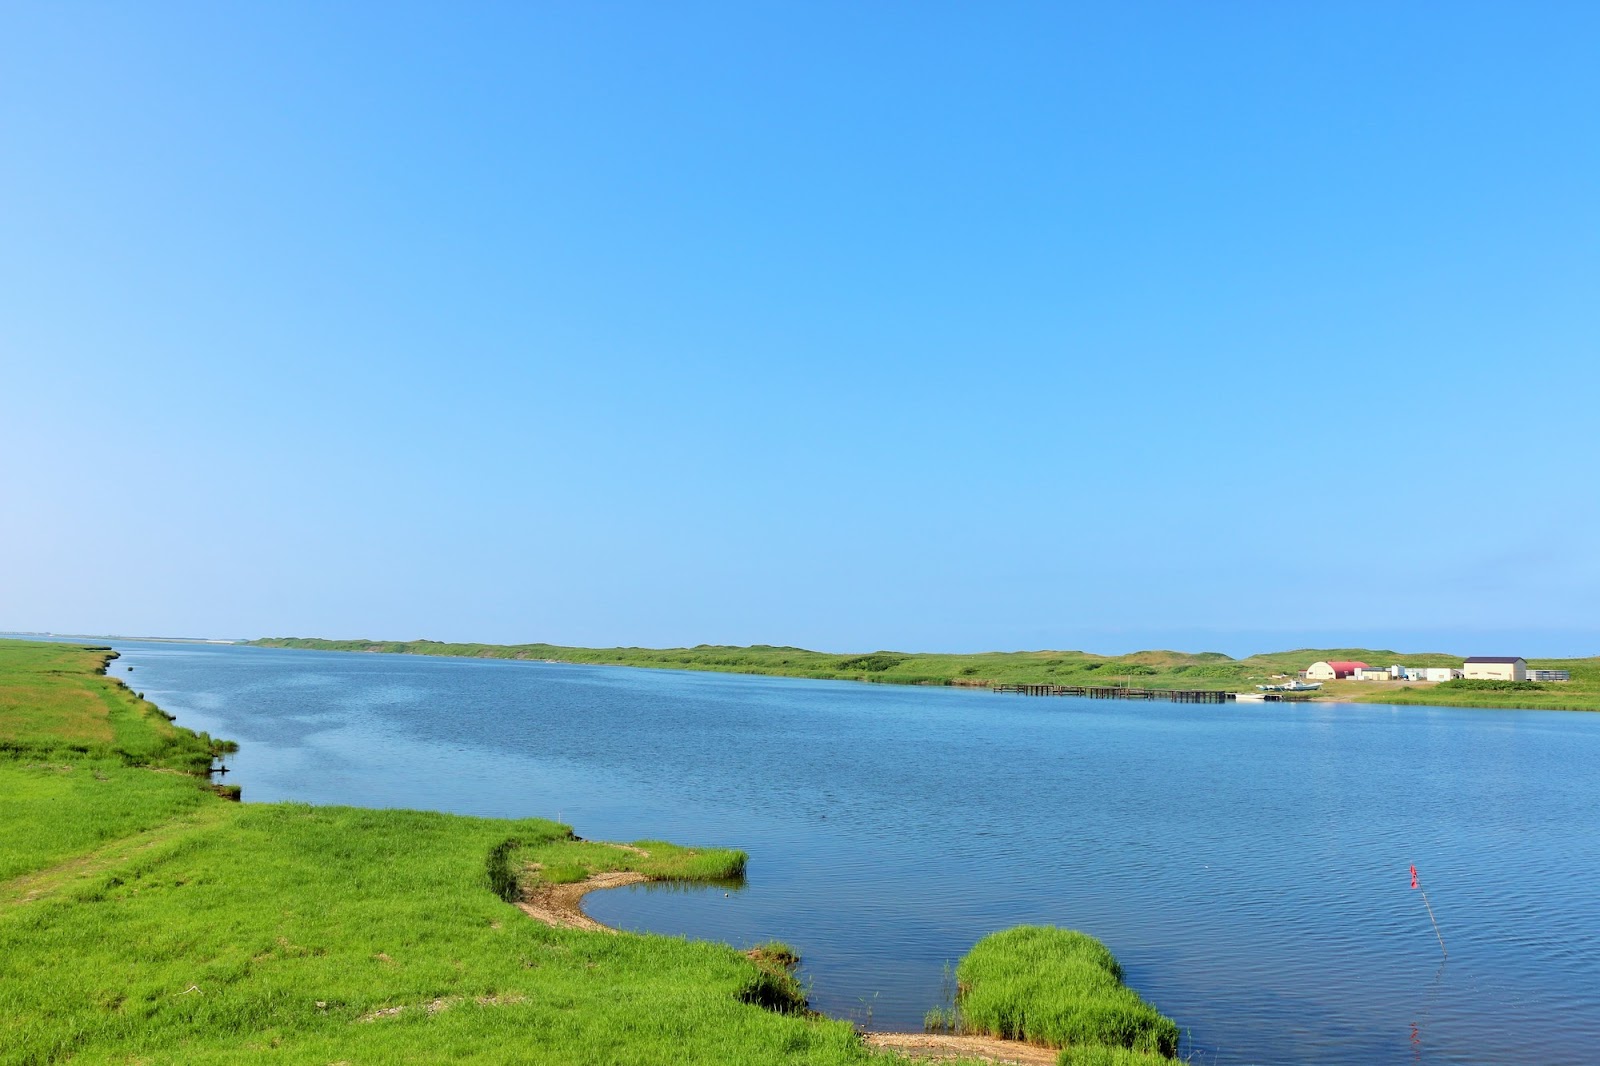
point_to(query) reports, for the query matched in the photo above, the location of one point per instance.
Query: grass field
(1147, 669)
(144, 919)
(56, 699)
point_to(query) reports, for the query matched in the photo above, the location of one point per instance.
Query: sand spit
(562, 905)
(936, 1047)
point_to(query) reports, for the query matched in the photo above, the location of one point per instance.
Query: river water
(1249, 865)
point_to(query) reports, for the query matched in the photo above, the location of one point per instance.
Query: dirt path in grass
(937, 1047)
(562, 905)
(83, 867)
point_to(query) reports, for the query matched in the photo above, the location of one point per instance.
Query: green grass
(775, 986)
(290, 929)
(1147, 669)
(52, 810)
(145, 920)
(1059, 988)
(56, 699)
(566, 859)
(1109, 1056)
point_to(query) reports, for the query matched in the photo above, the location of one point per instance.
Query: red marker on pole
(1416, 884)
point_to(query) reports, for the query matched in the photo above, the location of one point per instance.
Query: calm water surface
(1248, 866)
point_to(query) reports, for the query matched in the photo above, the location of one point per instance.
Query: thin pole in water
(1416, 884)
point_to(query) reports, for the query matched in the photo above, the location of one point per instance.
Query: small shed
(1495, 668)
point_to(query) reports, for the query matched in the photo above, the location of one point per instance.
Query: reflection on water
(1248, 865)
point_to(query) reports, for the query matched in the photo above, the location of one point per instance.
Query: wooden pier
(1122, 692)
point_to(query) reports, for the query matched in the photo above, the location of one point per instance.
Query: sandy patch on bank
(562, 905)
(939, 1046)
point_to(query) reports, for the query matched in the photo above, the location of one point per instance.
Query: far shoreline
(1155, 671)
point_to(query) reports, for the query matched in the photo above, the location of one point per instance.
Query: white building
(1495, 668)
(1373, 673)
(1439, 673)
(1549, 675)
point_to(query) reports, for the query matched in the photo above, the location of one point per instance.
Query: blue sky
(923, 326)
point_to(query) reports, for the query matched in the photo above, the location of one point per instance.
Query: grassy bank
(1058, 988)
(143, 918)
(1144, 669)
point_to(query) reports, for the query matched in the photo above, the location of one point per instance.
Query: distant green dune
(1140, 669)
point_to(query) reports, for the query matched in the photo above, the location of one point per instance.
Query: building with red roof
(1333, 670)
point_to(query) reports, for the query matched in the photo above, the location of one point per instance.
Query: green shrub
(876, 663)
(501, 875)
(1056, 987)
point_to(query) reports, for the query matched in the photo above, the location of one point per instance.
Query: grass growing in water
(1059, 988)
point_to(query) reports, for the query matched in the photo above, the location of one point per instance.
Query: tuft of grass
(1058, 988)
(774, 986)
(775, 953)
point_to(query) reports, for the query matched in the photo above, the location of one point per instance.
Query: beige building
(1495, 668)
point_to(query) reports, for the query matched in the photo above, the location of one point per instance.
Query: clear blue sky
(909, 325)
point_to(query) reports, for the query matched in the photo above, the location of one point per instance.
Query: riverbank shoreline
(1160, 670)
(327, 932)
(315, 933)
